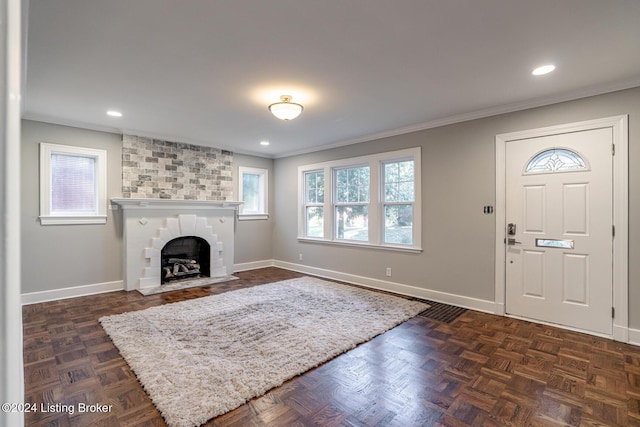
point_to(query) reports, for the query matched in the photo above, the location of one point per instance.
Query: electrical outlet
(388, 271)
(300, 257)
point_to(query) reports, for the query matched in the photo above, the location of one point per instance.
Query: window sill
(252, 217)
(397, 248)
(73, 220)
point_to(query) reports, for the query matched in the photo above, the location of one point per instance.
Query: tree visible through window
(314, 203)
(352, 203)
(251, 193)
(372, 200)
(399, 196)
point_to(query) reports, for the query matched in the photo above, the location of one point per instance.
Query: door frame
(619, 126)
(11, 358)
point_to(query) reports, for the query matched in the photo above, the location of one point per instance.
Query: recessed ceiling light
(265, 143)
(114, 113)
(543, 70)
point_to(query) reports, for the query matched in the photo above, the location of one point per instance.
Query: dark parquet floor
(475, 369)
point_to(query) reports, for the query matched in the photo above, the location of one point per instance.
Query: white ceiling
(204, 71)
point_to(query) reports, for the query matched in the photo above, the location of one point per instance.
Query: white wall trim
(622, 334)
(398, 288)
(11, 338)
(72, 292)
(458, 118)
(464, 117)
(619, 126)
(632, 336)
(254, 265)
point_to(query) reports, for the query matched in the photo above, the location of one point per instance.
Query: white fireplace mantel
(174, 204)
(150, 223)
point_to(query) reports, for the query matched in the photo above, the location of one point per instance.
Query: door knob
(512, 241)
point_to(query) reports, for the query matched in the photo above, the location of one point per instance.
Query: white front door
(559, 216)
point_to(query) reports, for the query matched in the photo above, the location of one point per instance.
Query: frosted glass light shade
(286, 110)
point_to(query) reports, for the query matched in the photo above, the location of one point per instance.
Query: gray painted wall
(458, 174)
(63, 256)
(253, 238)
(458, 180)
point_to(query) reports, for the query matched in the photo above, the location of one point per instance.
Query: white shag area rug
(203, 357)
(184, 284)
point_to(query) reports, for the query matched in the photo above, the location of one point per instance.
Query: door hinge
(613, 312)
(613, 230)
(613, 149)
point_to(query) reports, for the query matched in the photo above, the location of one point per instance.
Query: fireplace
(185, 230)
(184, 258)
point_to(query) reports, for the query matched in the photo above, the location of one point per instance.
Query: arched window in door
(556, 160)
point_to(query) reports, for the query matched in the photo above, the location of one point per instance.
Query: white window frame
(264, 193)
(386, 203)
(336, 204)
(376, 200)
(47, 216)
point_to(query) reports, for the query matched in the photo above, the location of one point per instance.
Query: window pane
(352, 223)
(398, 224)
(313, 195)
(311, 180)
(342, 186)
(315, 221)
(405, 172)
(391, 172)
(405, 192)
(73, 184)
(556, 160)
(315, 187)
(399, 181)
(251, 193)
(391, 192)
(363, 194)
(352, 185)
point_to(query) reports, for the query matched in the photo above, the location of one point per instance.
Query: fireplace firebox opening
(186, 257)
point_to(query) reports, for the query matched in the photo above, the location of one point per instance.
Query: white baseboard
(399, 288)
(634, 336)
(621, 333)
(245, 266)
(73, 292)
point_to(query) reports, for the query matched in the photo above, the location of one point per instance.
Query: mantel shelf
(174, 204)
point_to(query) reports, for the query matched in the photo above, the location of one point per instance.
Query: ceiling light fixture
(114, 113)
(265, 143)
(545, 69)
(285, 109)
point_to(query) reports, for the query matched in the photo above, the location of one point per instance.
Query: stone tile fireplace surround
(158, 169)
(149, 224)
